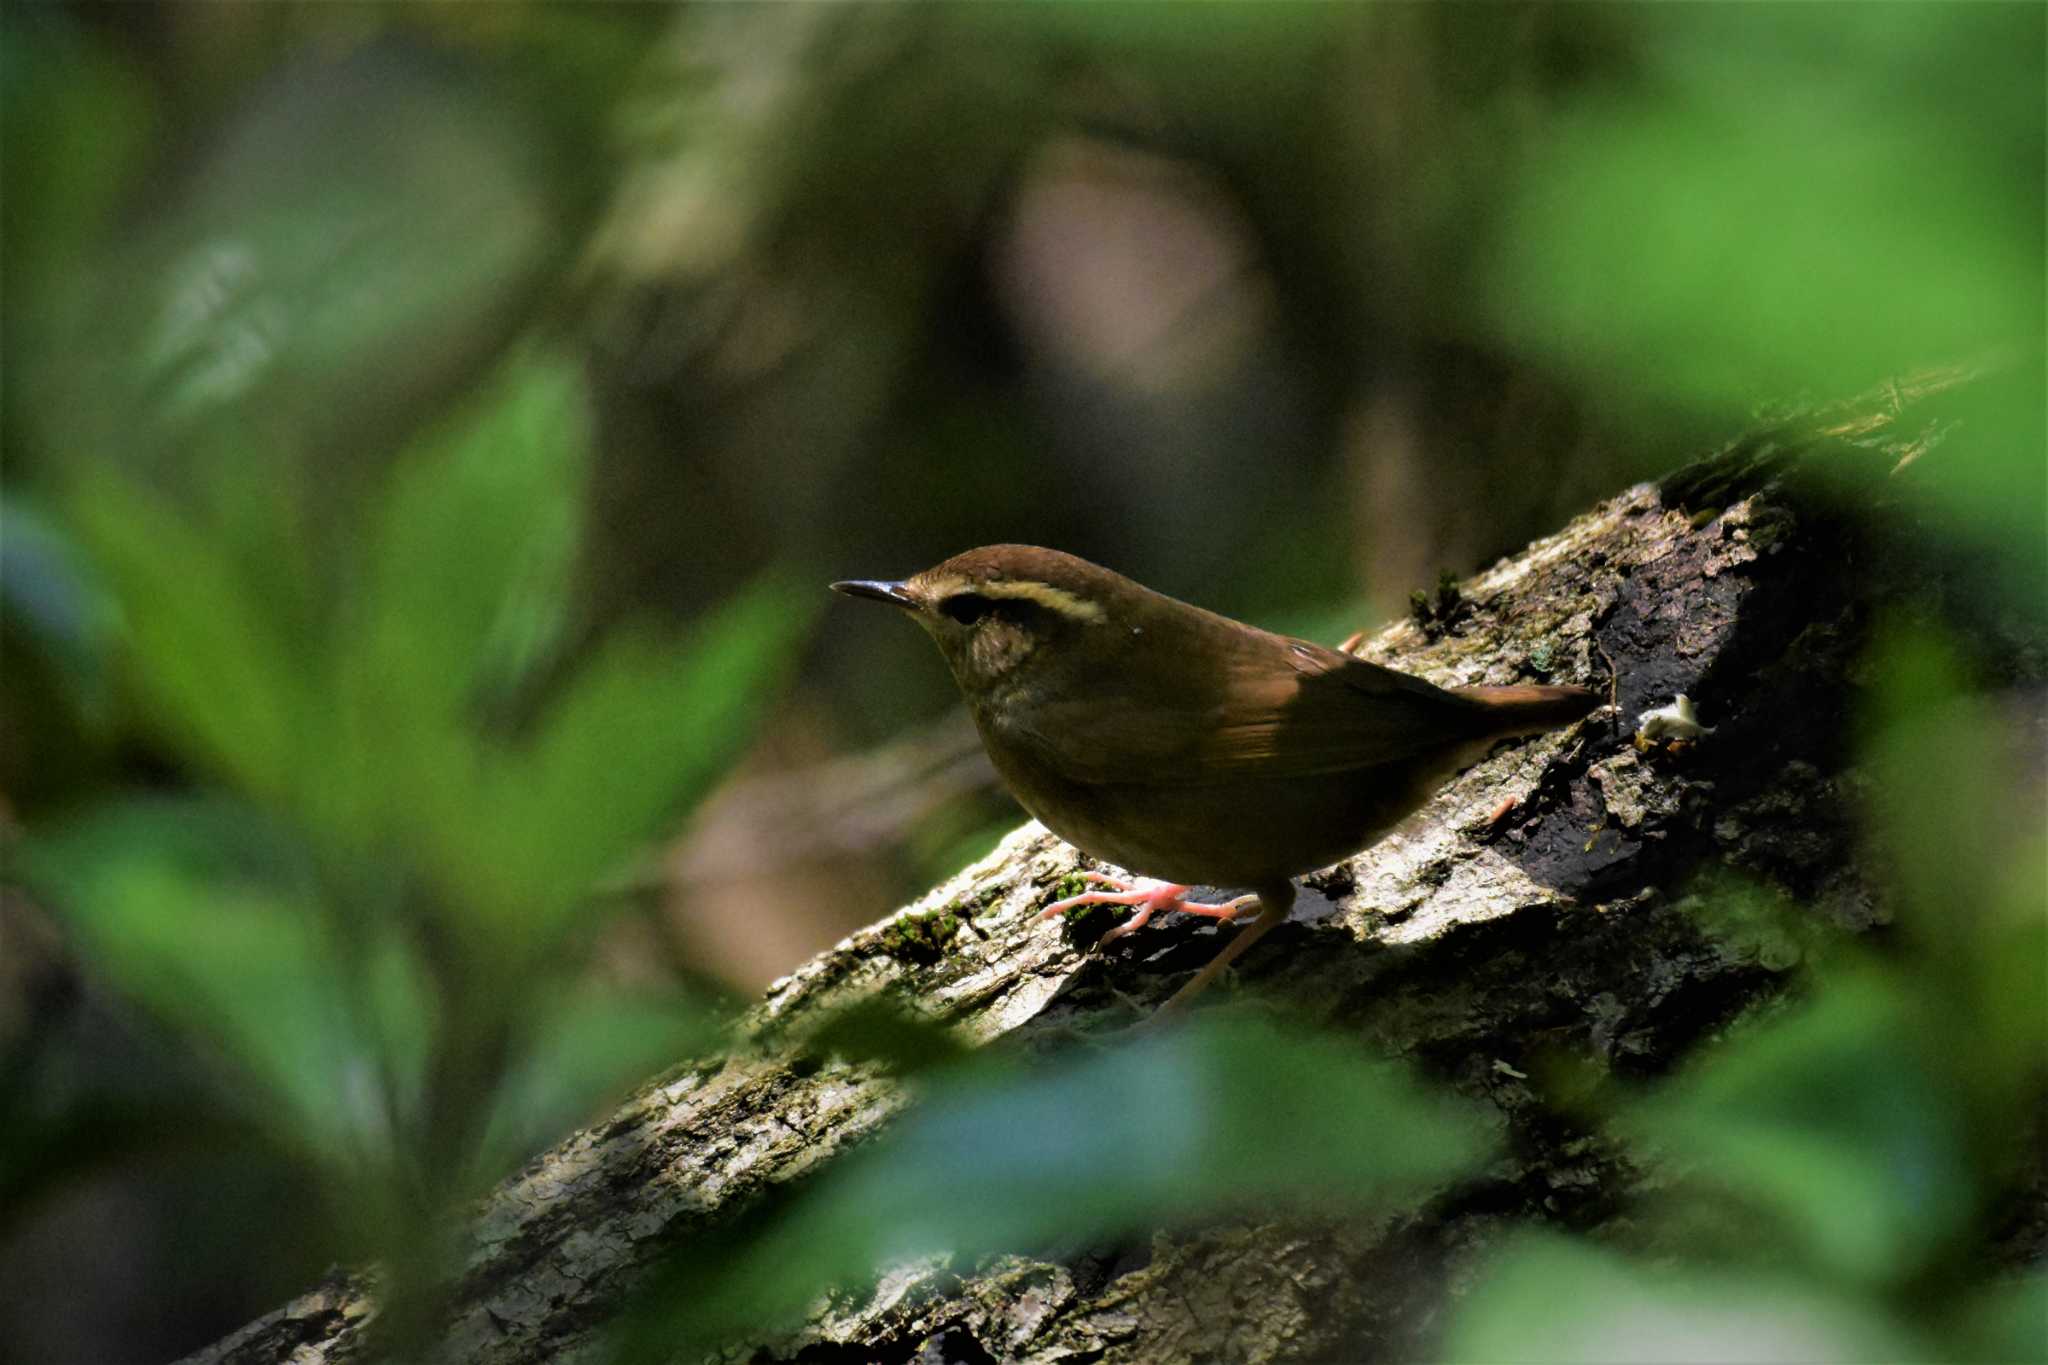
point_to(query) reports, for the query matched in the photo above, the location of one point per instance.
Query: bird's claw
(1148, 898)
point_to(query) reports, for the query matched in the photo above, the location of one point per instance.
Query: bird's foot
(1148, 898)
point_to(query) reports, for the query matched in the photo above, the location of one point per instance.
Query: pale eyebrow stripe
(1045, 594)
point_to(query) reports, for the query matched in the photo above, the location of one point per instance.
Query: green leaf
(639, 735)
(588, 1048)
(470, 551)
(1548, 1300)
(1746, 210)
(67, 612)
(202, 913)
(1218, 1116)
(210, 658)
(1836, 1124)
(2007, 1322)
(1964, 848)
(463, 586)
(346, 248)
(1933, 753)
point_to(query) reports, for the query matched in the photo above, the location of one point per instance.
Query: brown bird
(1182, 745)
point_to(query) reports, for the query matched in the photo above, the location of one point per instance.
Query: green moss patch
(920, 938)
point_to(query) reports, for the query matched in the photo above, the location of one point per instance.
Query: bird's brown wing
(1323, 712)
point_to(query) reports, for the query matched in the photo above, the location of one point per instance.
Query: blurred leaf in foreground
(588, 1044)
(202, 911)
(1956, 817)
(58, 624)
(1785, 196)
(1783, 200)
(470, 545)
(1841, 1168)
(1840, 1125)
(373, 926)
(320, 271)
(1218, 1117)
(1552, 1301)
(638, 735)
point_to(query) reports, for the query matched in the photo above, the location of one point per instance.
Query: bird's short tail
(1530, 710)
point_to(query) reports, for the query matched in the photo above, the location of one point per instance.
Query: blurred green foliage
(1792, 201)
(1223, 1116)
(1787, 197)
(1834, 1173)
(1804, 200)
(1553, 1301)
(371, 912)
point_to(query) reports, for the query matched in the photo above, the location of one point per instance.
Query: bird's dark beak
(895, 594)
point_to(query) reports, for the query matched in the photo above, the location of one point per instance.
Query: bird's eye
(966, 607)
(969, 607)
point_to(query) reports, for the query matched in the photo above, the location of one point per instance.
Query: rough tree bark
(1539, 906)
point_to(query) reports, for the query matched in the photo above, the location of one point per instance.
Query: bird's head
(1003, 613)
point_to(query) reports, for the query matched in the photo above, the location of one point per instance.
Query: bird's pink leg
(1148, 898)
(1274, 904)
